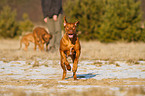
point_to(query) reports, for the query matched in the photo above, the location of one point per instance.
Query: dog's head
(70, 28)
(47, 37)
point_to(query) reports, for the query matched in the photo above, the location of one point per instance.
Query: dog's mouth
(70, 35)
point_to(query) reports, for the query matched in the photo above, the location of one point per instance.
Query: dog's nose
(70, 30)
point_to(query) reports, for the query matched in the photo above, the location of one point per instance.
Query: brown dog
(69, 46)
(26, 39)
(41, 36)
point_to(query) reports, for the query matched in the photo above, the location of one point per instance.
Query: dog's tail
(20, 44)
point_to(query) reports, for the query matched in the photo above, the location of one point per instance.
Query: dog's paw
(68, 67)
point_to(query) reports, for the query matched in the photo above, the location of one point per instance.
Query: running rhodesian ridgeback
(70, 46)
(41, 36)
(26, 39)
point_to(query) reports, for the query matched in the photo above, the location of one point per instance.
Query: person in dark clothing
(52, 12)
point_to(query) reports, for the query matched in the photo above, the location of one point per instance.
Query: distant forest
(143, 8)
(33, 8)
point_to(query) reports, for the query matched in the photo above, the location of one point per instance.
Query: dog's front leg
(39, 45)
(63, 59)
(63, 63)
(75, 64)
(47, 46)
(42, 47)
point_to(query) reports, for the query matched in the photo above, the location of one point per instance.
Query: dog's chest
(70, 52)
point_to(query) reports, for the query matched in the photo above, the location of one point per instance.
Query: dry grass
(131, 52)
(113, 51)
(9, 51)
(132, 91)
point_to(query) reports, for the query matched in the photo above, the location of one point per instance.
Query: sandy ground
(39, 73)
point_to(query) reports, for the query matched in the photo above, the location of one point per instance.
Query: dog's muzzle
(70, 34)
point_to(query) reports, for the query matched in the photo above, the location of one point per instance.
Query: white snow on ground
(111, 70)
(86, 69)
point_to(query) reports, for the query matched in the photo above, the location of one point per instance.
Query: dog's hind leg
(63, 55)
(64, 63)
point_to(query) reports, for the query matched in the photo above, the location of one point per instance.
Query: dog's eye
(67, 27)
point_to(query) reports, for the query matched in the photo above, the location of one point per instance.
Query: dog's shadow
(84, 76)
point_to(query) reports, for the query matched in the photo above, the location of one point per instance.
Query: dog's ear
(43, 35)
(64, 21)
(76, 23)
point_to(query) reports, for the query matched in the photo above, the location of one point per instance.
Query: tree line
(102, 20)
(107, 20)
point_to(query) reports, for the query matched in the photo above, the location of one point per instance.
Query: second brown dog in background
(26, 39)
(41, 37)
